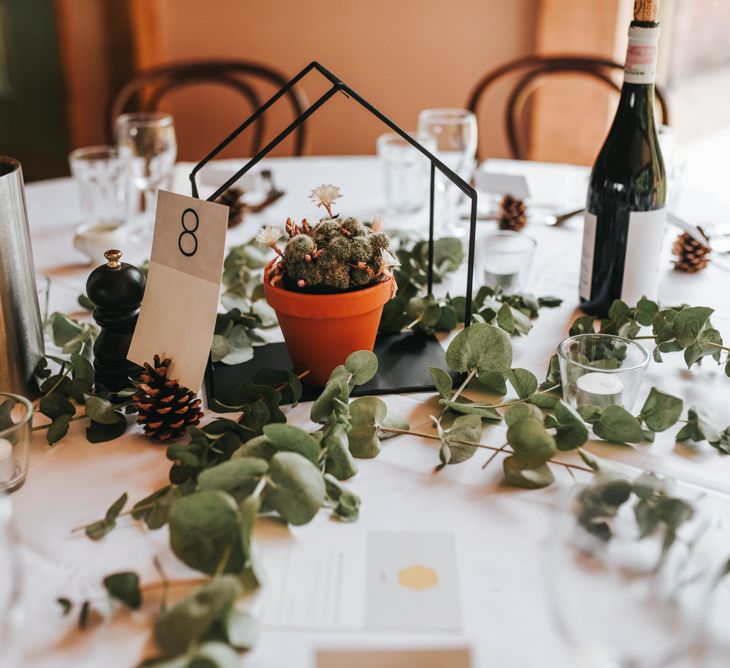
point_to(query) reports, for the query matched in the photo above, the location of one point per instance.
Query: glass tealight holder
(16, 413)
(601, 370)
(506, 259)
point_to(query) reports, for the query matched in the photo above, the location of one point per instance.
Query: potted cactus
(328, 286)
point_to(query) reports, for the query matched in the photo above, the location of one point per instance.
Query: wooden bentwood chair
(147, 89)
(528, 72)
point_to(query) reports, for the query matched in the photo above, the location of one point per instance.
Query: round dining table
(500, 534)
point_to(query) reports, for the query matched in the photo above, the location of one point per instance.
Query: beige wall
(401, 55)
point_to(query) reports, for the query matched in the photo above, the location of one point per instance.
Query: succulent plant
(334, 255)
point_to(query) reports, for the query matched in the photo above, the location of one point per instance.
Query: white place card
(496, 183)
(419, 658)
(178, 313)
(376, 580)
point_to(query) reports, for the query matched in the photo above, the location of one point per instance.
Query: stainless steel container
(21, 331)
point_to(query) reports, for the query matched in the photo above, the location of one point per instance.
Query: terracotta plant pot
(321, 330)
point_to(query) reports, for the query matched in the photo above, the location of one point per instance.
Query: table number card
(177, 319)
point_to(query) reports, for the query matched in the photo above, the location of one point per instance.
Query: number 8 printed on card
(183, 286)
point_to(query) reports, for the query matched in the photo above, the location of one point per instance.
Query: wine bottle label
(586, 264)
(641, 55)
(642, 259)
(643, 255)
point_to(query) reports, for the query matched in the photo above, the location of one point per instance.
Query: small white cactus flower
(389, 260)
(325, 195)
(268, 236)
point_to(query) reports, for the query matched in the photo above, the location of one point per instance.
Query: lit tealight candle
(598, 389)
(7, 465)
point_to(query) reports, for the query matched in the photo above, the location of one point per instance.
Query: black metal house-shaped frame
(403, 358)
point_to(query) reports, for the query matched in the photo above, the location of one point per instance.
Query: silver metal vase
(21, 330)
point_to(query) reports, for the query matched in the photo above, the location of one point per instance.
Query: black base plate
(403, 361)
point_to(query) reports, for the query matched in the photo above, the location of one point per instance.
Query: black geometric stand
(403, 361)
(403, 358)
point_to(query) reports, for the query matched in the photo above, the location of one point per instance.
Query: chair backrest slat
(529, 71)
(238, 75)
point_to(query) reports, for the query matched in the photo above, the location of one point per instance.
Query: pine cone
(232, 198)
(691, 255)
(165, 407)
(512, 214)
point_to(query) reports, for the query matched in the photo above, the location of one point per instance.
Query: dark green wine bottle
(625, 216)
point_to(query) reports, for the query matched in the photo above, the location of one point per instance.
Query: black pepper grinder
(116, 289)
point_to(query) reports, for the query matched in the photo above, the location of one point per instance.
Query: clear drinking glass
(405, 171)
(454, 133)
(506, 259)
(16, 413)
(98, 172)
(601, 369)
(673, 163)
(618, 602)
(147, 148)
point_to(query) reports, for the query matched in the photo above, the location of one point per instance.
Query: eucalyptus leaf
(689, 323)
(366, 415)
(338, 461)
(480, 347)
(297, 490)
(363, 365)
(97, 432)
(293, 439)
(531, 442)
(346, 502)
(54, 405)
(571, 431)
(442, 381)
(660, 411)
(97, 530)
(124, 587)
(493, 381)
(240, 474)
(465, 428)
(185, 624)
(518, 472)
(517, 412)
(58, 428)
(336, 389)
(616, 424)
(101, 410)
(204, 530)
(523, 382)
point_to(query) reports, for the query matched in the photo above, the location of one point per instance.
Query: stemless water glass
(601, 370)
(620, 599)
(454, 134)
(15, 418)
(148, 148)
(506, 259)
(405, 170)
(98, 173)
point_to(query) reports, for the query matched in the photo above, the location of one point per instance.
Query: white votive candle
(7, 465)
(598, 389)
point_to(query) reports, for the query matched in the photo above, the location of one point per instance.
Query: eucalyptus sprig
(539, 423)
(230, 472)
(656, 509)
(410, 309)
(685, 329)
(72, 386)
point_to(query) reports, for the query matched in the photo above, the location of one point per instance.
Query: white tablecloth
(500, 533)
